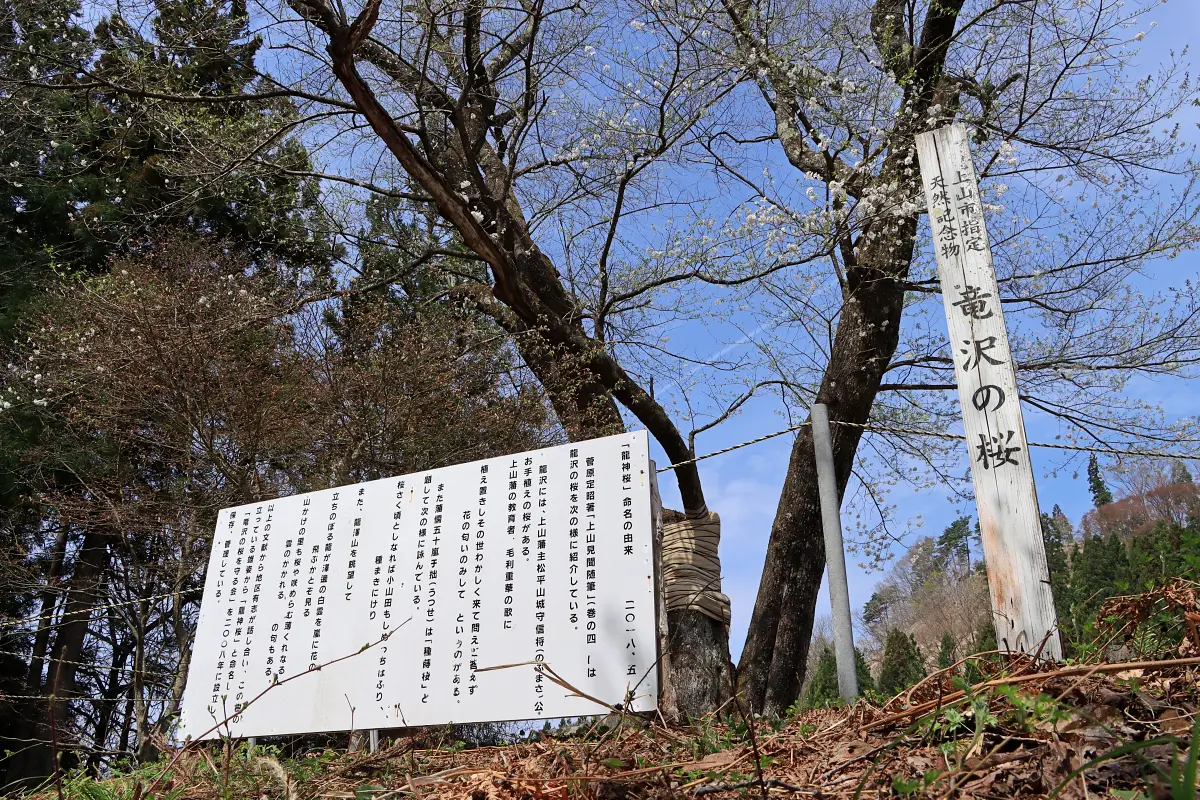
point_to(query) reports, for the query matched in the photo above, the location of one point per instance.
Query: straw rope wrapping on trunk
(691, 566)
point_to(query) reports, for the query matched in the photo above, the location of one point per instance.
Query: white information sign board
(1009, 519)
(541, 556)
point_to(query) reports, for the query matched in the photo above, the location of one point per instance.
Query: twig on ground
(1064, 672)
(162, 774)
(771, 783)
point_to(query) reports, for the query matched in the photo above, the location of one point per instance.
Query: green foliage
(1101, 496)
(946, 651)
(1099, 570)
(902, 665)
(985, 642)
(953, 547)
(714, 735)
(1031, 710)
(905, 788)
(86, 176)
(823, 689)
(875, 610)
(1056, 533)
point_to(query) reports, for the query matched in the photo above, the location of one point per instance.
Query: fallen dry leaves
(1025, 735)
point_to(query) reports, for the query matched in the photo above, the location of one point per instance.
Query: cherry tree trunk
(771, 668)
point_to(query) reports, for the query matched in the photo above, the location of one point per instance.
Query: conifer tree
(954, 545)
(1056, 532)
(946, 653)
(1101, 496)
(875, 610)
(902, 665)
(1099, 570)
(865, 682)
(87, 177)
(823, 689)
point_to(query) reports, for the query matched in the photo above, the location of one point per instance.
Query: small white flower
(637, 25)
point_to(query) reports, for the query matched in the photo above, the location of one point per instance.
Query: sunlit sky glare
(743, 486)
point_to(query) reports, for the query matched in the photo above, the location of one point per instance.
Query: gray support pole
(374, 740)
(835, 554)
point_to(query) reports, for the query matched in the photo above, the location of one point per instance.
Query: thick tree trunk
(877, 263)
(51, 722)
(772, 664)
(113, 690)
(579, 374)
(48, 600)
(584, 406)
(697, 658)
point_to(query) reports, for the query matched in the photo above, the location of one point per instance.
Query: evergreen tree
(1164, 553)
(863, 670)
(954, 545)
(985, 637)
(1101, 496)
(981, 562)
(985, 642)
(1056, 533)
(902, 665)
(1180, 472)
(823, 689)
(946, 652)
(86, 177)
(1099, 570)
(875, 610)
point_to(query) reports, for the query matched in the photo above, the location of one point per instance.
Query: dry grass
(1024, 735)
(1022, 731)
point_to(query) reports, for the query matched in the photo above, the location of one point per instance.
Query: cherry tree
(1087, 177)
(591, 176)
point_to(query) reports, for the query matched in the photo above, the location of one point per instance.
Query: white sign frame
(599, 621)
(1009, 517)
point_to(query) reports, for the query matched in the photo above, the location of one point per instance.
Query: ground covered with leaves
(1126, 731)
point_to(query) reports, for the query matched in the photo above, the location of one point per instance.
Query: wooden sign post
(1009, 518)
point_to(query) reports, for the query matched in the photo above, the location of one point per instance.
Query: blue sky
(743, 486)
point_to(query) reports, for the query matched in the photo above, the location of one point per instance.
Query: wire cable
(872, 428)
